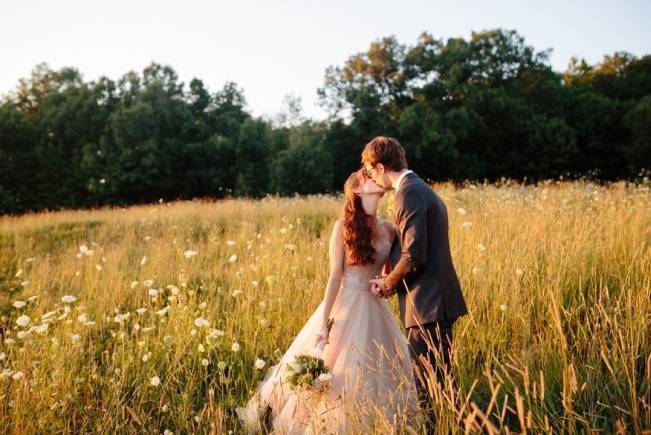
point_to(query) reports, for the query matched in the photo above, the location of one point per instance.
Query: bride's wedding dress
(367, 355)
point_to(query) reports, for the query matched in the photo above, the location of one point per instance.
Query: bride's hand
(321, 335)
(321, 344)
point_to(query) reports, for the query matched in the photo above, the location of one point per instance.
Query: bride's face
(370, 192)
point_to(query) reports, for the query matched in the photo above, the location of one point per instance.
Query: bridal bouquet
(308, 372)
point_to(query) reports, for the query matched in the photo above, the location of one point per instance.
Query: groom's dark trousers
(429, 349)
(423, 274)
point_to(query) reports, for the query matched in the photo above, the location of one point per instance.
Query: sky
(272, 49)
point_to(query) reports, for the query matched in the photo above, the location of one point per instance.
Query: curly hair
(385, 150)
(358, 227)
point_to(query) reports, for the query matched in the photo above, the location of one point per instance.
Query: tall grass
(557, 278)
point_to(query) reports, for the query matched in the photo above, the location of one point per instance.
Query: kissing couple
(377, 375)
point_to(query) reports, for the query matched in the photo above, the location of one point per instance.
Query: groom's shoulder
(414, 185)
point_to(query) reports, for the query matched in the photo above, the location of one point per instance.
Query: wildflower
(200, 322)
(141, 311)
(519, 271)
(134, 284)
(290, 247)
(216, 333)
(23, 320)
(168, 339)
(230, 242)
(235, 347)
(82, 318)
(19, 304)
(325, 377)
(221, 365)
(200, 348)
(153, 292)
(461, 211)
(503, 307)
(259, 363)
(98, 267)
(466, 224)
(155, 381)
(148, 282)
(190, 253)
(75, 338)
(232, 258)
(481, 247)
(17, 376)
(205, 362)
(237, 292)
(143, 261)
(68, 299)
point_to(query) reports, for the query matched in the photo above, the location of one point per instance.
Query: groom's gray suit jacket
(422, 271)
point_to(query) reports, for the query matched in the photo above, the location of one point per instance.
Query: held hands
(379, 290)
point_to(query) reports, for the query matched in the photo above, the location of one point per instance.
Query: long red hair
(359, 227)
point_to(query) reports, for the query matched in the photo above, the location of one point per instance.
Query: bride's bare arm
(336, 254)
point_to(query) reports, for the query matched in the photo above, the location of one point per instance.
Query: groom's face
(376, 172)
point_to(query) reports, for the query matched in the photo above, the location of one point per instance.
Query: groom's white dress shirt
(404, 172)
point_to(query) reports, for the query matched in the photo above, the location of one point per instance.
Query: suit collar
(401, 179)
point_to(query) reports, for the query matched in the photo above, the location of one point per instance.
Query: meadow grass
(150, 318)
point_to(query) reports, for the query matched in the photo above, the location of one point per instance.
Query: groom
(423, 276)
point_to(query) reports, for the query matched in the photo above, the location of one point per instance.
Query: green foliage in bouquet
(308, 372)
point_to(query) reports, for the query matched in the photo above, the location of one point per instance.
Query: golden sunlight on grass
(164, 317)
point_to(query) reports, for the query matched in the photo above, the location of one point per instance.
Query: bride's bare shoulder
(337, 227)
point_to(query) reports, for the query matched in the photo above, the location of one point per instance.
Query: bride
(364, 349)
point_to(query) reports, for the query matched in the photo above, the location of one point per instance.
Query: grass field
(151, 318)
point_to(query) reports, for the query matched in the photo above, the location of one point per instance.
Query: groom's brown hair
(385, 150)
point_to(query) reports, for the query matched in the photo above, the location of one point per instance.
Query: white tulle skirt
(372, 379)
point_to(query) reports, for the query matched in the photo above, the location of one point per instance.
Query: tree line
(481, 108)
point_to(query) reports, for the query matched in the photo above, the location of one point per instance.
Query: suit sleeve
(412, 224)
